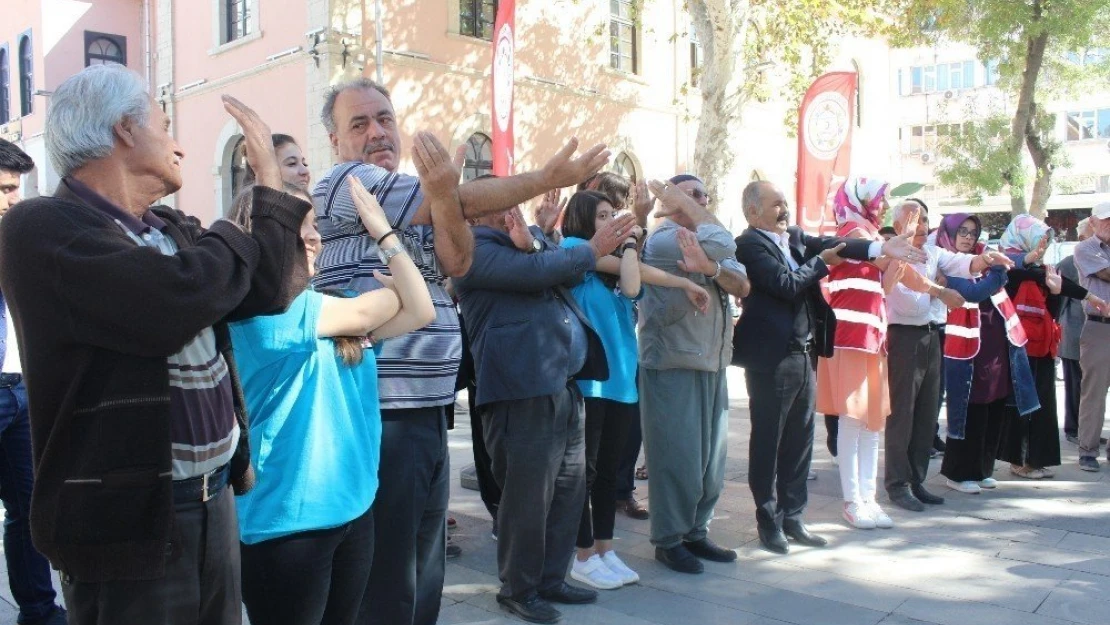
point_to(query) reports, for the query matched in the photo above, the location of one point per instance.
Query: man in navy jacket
(530, 340)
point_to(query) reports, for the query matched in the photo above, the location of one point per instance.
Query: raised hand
(642, 202)
(1052, 280)
(611, 234)
(518, 230)
(694, 259)
(910, 225)
(1037, 255)
(369, 211)
(546, 215)
(831, 256)
(672, 198)
(564, 171)
(258, 141)
(439, 172)
(901, 247)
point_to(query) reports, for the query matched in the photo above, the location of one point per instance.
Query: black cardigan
(96, 316)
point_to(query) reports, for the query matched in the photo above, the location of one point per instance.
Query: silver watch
(387, 255)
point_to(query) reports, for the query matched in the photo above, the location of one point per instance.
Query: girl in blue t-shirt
(606, 298)
(311, 391)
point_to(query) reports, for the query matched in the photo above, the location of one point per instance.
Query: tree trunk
(1042, 161)
(721, 26)
(1034, 59)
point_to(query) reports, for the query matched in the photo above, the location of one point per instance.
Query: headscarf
(860, 200)
(1023, 234)
(946, 233)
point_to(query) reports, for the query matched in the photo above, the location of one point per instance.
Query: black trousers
(626, 471)
(309, 578)
(914, 372)
(832, 429)
(201, 585)
(972, 459)
(1073, 381)
(781, 445)
(1035, 438)
(606, 433)
(538, 451)
(487, 485)
(410, 520)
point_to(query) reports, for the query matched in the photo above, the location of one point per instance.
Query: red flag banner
(504, 53)
(825, 123)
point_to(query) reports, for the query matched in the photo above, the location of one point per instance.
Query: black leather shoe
(925, 496)
(707, 550)
(565, 593)
(799, 533)
(532, 609)
(903, 498)
(773, 540)
(678, 558)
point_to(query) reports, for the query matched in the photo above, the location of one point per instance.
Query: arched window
(238, 173)
(26, 75)
(625, 166)
(5, 86)
(479, 157)
(101, 49)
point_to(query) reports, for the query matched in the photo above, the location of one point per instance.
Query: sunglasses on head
(967, 232)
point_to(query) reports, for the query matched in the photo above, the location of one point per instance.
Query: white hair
(1084, 228)
(85, 108)
(906, 206)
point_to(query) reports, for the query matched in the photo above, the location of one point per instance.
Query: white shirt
(11, 355)
(908, 307)
(783, 242)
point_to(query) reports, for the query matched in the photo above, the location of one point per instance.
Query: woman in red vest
(987, 375)
(853, 382)
(1032, 445)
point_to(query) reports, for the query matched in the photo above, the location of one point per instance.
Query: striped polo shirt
(203, 429)
(418, 369)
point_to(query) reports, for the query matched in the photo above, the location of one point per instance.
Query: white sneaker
(859, 516)
(970, 487)
(882, 519)
(593, 572)
(990, 482)
(619, 569)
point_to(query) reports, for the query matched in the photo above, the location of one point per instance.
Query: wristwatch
(537, 246)
(387, 255)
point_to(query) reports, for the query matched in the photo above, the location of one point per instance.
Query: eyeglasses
(699, 195)
(967, 232)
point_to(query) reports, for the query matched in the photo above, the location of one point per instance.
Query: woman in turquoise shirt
(311, 391)
(606, 297)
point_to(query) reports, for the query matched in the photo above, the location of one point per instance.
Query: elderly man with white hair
(1092, 259)
(120, 311)
(915, 371)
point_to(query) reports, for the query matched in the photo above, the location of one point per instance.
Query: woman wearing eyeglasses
(987, 374)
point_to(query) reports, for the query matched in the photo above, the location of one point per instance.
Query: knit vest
(856, 296)
(961, 335)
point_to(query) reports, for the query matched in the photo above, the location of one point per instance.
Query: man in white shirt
(915, 371)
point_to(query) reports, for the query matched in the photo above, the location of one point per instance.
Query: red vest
(856, 296)
(961, 335)
(1039, 326)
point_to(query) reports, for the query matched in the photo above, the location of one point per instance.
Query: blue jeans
(28, 571)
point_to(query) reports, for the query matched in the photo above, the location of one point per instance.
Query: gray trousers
(1094, 357)
(914, 370)
(538, 455)
(201, 585)
(685, 423)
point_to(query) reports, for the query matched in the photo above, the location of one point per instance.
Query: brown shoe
(634, 509)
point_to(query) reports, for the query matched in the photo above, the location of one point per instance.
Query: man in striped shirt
(416, 371)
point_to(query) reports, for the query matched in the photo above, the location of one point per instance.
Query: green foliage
(974, 162)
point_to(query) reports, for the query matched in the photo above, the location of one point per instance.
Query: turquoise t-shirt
(611, 315)
(315, 426)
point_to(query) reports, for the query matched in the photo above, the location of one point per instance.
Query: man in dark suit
(530, 340)
(785, 326)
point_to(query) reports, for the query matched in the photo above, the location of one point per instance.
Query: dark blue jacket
(516, 321)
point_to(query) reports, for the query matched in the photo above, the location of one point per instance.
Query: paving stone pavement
(1027, 553)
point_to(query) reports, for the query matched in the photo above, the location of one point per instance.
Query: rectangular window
(991, 68)
(918, 81)
(930, 79)
(969, 74)
(236, 20)
(696, 59)
(1082, 125)
(477, 18)
(943, 78)
(622, 36)
(1104, 123)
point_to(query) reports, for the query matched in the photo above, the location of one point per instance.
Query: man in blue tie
(28, 570)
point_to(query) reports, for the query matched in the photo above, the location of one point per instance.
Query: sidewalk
(1028, 553)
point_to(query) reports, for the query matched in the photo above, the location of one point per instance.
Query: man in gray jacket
(1072, 319)
(683, 391)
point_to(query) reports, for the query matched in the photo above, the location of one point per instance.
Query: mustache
(378, 145)
(783, 216)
